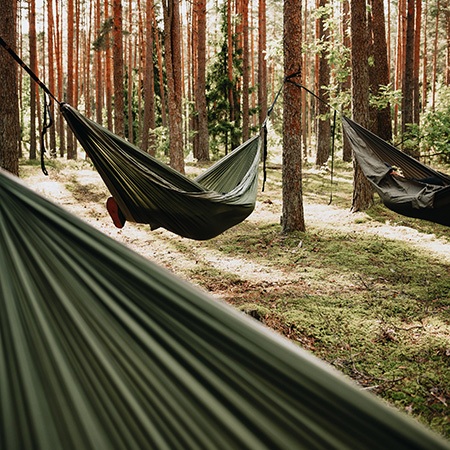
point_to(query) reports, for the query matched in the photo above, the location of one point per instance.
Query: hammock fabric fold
(148, 191)
(416, 191)
(101, 349)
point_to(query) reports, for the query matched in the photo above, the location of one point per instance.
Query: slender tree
(202, 151)
(416, 72)
(149, 84)
(262, 62)
(245, 73)
(9, 103)
(51, 72)
(323, 82)
(293, 216)
(34, 68)
(172, 40)
(362, 191)
(119, 104)
(346, 84)
(435, 55)
(98, 69)
(60, 76)
(407, 80)
(71, 145)
(380, 73)
(162, 92)
(425, 60)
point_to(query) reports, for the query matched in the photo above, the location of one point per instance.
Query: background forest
(127, 65)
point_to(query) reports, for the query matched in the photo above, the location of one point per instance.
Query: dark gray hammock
(148, 191)
(101, 349)
(416, 191)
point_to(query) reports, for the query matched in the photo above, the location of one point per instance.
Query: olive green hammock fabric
(416, 191)
(149, 191)
(101, 349)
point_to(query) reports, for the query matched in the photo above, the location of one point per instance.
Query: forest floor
(369, 293)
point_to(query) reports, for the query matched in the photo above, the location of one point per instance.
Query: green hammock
(415, 191)
(101, 349)
(148, 191)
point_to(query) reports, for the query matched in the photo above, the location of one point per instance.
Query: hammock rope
(333, 132)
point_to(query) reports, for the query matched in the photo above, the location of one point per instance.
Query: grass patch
(376, 309)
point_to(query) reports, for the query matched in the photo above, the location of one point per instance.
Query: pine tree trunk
(98, 70)
(447, 55)
(362, 191)
(200, 85)
(119, 104)
(346, 85)
(245, 74)
(435, 56)
(71, 153)
(262, 63)
(380, 74)
(407, 81)
(161, 75)
(293, 216)
(416, 71)
(425, 60)
(400, 55)
(33, 86)
(130, 134)
(51, 72)
(60, 74)
(230, 49)
(149, 84)
(323, 121)
(172, 39)
(9, 103)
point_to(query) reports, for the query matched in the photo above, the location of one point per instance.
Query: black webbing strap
(264, 131)
(21, 63)
(48, 121)
(333, 134)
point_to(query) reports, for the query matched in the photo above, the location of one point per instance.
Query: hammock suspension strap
(288, 79)
(48, 95)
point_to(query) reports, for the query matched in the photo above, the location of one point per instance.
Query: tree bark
(245, 74)
(172, 39)
(346, 85)
(435, 55)
(202, 152)
(71, 145)
(323, 82)
(293, 216)
(149, 85)
(383, 123)
(407, 80)
(60, 73)
(9, 102)
(262, 63)
(33, 86)
(98, 70)
(161, 76)
(416, 71)
(51, 72)
(362, 191)
(119, 104)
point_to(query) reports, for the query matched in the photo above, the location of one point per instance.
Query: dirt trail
(162, 246)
